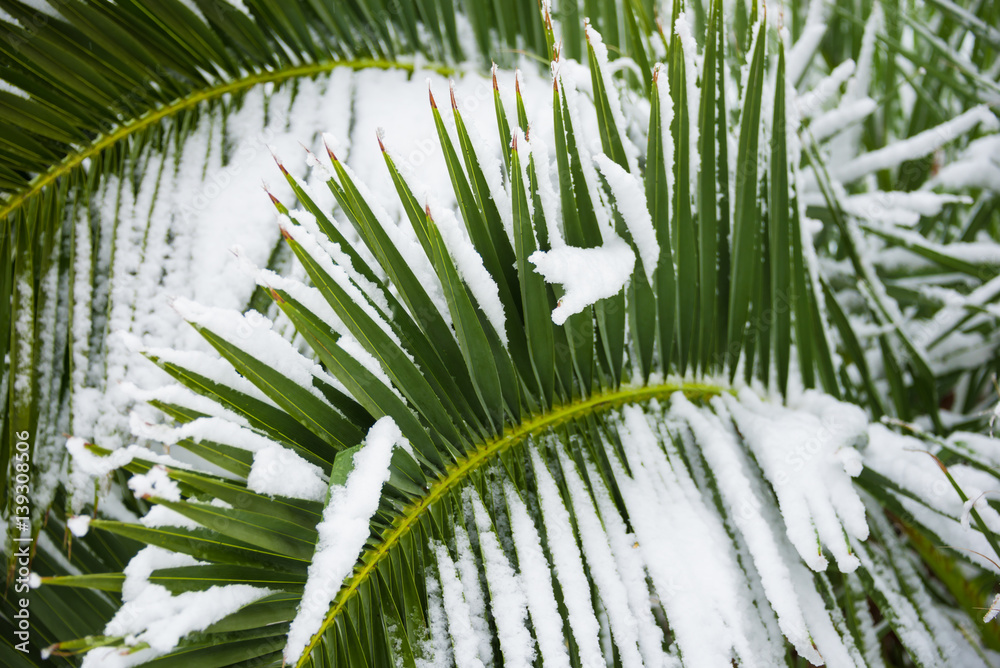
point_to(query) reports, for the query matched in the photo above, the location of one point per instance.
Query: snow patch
(587, 274)
(343, 532)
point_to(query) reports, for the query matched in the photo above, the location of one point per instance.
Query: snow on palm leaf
(599, 459)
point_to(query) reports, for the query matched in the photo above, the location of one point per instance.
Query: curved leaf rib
(103, 142)
(486, 452)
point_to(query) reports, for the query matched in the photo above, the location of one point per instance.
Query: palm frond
(550, 387)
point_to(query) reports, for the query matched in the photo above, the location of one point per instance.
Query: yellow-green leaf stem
(478, 456)
(104, 141)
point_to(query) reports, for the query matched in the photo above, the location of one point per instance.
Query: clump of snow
(812, 33)
(587, 274)
(209, 365)
(160, 619)
(151, 615)
(161, 516)
(278, 471)
(666, 118)
(435, 649)
(689, 47)
(603, 567)
(811, 102)
(86, 467)
(630, 199)
(79, 525)
(183, 397)
(468, 574)
(977, 167)
(932, 500)
(749, 508)
(343, 532)
(156, 482)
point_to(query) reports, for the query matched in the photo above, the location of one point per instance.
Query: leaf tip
(327, 140)
(274, 200)
(277, 160)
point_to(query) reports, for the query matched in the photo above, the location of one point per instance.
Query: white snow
(857, 87)
(587, 274)
(568, 563)
(161, 619)
(89, 464)
(932, 501)
(630, 200)
(633, 574)
(343, 532)
(603, 568)
(196, 200)
(683, 29)
(436, 648)
(508, 600)
(79, 525)
(161, 516)
(993, 610)
(916, 146)
(469, 264)
(537, 577)
(279, 471)
(472, 590)
(837, 119)
(215, 429)
(812, 33)
(156, 482)
(724, 458)
(666, 118)
(614, 102)
(464, 639)
(252, 332)
(338, 272)
(977, 167)
(687, 553)
(151, 615)
(807, 453)
(810, 102)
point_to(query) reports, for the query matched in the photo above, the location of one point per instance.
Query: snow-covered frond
(680, 356)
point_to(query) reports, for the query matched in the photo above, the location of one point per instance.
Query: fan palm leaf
(476, 451)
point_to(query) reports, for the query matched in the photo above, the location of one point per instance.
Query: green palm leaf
(492, 434)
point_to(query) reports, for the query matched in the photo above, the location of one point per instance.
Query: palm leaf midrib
(482, 453)
(154, 115)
